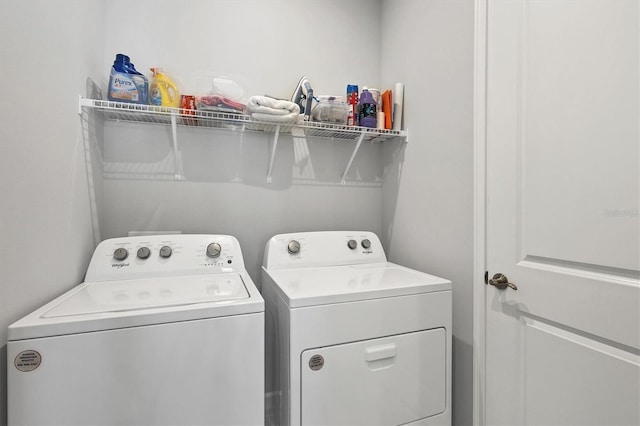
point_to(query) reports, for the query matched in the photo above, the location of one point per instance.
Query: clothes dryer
(165, 330)
(353, 339)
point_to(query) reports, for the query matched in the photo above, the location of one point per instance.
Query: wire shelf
(122, 111)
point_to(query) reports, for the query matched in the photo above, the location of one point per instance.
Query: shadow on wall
(393, 160)
(3, 386)
(462, 358)
(93, 143)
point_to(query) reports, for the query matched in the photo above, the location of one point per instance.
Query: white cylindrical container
(380, 122)
(398, 101)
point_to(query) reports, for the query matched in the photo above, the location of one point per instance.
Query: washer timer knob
(165, 251)
(143, 253)
(213, 250)
(293, 247)
(366, 243)
(120, 254)
(352, 244)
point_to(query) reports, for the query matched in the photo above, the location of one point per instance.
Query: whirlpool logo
(119, 265)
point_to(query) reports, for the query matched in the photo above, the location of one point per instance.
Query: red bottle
(352, 100)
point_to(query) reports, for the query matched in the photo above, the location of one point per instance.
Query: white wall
(267, 46)
(423, 212)
(48, 49)
(428, 196)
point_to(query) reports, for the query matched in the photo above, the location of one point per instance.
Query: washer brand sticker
(27, 361)
(316, 362)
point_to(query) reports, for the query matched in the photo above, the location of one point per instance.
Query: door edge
(479, 209)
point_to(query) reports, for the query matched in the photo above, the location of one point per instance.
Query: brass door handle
(501, 282)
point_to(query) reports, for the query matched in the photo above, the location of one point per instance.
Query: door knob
(501, 282)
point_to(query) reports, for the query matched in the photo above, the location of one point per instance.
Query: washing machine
(165, 330)
(352, 339)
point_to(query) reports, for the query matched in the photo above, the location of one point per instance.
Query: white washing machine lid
(106, 305)
(133, 295)
(336, 284)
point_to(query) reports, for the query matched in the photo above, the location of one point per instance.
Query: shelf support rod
(174, 134)
(274, 145)
(353, 155)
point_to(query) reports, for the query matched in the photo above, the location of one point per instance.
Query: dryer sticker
(316, 362)
(27, 361)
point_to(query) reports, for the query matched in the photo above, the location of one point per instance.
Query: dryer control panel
(327, 248)
(164, 255)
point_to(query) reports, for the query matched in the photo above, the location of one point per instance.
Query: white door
(562, 212)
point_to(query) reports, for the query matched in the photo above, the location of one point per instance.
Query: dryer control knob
(293, 247)
(143, 253)
(120, 254)
(366, 243)
(352, 244)
(165, 251)
(213, 250)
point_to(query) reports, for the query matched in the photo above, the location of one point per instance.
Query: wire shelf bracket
(353, 156)
(274, 145)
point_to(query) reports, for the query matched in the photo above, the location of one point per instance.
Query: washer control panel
(330, 248)
(161, 255)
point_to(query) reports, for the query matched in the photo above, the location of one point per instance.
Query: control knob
(293, 247)
(165, 251)
(366, 243)
(213, 250)
(352, 244)
(143, 253)
(120, 254)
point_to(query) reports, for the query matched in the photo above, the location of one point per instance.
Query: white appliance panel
(192, 372)
(323, 285)
(323, 291)
(388, 381)
(168, 255)
(114, 296)
(325, 248)
(166, 330)
(77, 311)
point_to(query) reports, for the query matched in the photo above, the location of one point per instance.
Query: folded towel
(282, 119)
(264, 108)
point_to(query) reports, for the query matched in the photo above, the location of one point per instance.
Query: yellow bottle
(162, 90)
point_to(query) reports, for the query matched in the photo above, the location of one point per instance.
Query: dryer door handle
(376, 353)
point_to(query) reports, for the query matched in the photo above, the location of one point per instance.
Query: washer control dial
(366, 243)
(165, 251)
(352, 244)
(143, 253)
(213, 250)
(293, 247)
(120, 254)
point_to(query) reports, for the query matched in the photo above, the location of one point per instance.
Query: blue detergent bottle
(142, 82)
(126, 84)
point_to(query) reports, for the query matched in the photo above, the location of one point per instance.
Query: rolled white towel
(264, 108)
(267, 105)
(283, 119)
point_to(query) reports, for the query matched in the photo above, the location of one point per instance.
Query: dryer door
(387, 381)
